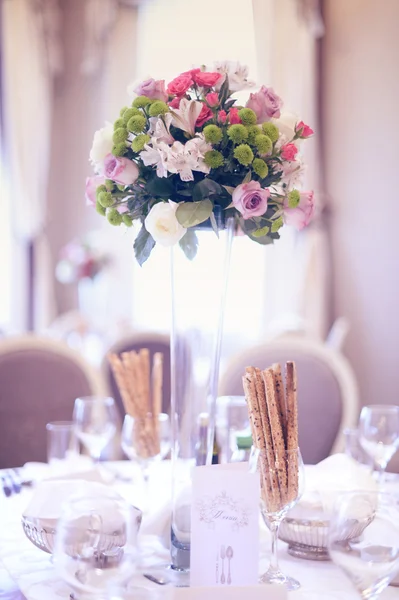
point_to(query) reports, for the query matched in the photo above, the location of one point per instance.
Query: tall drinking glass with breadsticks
(274, 422)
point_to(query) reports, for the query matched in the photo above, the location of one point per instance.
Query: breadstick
(281, 405)
(122, 383)
(292, 429)
(144, 356)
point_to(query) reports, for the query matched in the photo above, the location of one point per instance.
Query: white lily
(186, 115)
(156, 155)
(198, 147)
(237, 74)
(159, 129)
(183, 159)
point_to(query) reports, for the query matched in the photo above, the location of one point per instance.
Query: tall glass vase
(198, 301)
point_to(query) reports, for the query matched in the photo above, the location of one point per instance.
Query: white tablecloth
(28, 572)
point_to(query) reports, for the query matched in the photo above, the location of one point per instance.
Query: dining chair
(155, 342)
(328, 398)
(39, 381)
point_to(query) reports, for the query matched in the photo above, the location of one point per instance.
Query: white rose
(162, 224)
(102, 145)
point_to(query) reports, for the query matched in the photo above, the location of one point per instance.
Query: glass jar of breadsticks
(146, 430)
(273, 415)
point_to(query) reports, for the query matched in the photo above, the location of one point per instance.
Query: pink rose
(180, 85)
(206, 79)
(300, 216)
(120, 169)
(304, 131)
(265, 104)
(152, 88)
(222, 116)
(204, 115)
(92, 184)
(212, 99)
(250, 199)
(233, 116)
(175, 103)
(289, 152)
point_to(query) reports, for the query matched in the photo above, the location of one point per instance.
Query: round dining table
(29, 573)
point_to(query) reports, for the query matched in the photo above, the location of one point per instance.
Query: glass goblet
(95, 420)
(379, 434)
(282, 482)
(363, 540)
(96, 543)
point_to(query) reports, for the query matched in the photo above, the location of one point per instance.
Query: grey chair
(328, 399)
(155, 342)
(39, 381)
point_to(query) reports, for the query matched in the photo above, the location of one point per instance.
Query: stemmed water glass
(282, 483)
(364, 540)
(379, 434)
(95, 420)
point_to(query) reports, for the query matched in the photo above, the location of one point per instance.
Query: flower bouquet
(188, 154)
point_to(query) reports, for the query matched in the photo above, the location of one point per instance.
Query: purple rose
(120, 169)
(92, 184)
(265, 104)
(300, 216)
(250, 199)
(154, 89)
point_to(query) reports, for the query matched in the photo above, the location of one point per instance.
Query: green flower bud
(213, 134)
(253, 131)
(271, 130)
(122, 111)
(105, 199)
(120, 135)
(244, 154)
(263, 143)
(277, 224)
(247, 116)
(260, 167)
(140, 141)
(114, 217)
(141, 102)
(119, 123)
(109, 184)
(100, 209)
(119, 149)
(129, 113)
(237, 133)
(158, 108)
(99, 189)
(136, 124)
(293, 199)
(213, 159)
(127, 219)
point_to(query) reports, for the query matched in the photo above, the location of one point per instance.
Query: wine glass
(95, 421)
(282, 481)
(363, 540)
(96, 543)
(379, 434)
(146, 442)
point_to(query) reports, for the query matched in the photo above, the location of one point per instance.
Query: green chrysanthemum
(247, 116)
(244, 154)
(213, 159)
(99, 189)
(109, 185)
(105, 199)
(253, 131)
(263, 143)
(119, 123)
(120, 135)
(277, 224)
(237, 133)
(100, 209)
(136, 124)
(271, 130)
(260, 167)
(213, 134)
(114, 217)
(122, 111)
(293, 199)
(129, 113)
(128, 221)
(158, 108)
(140, 141)
(119, 149)
(141, 101)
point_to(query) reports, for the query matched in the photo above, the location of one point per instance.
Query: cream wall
(361, 133)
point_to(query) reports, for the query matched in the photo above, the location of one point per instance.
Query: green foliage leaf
(143, 244)
(160, 187)
(247, 177)
(229, 189)
(230, 103)
(189, 244)
(224, 91)
(190, 214)
(205, 188)
(261, 232)
(214, 224)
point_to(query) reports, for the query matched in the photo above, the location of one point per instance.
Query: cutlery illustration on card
(224, 553)
(222, 556)
(229, 556)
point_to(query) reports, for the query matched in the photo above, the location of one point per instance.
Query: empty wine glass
(363, 540)
(95, 421)
(379, 434)
(282, 482)
(96, 543)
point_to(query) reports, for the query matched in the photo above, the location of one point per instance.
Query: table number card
(224, 526)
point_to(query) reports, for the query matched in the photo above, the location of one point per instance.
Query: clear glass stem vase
(198, 300)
